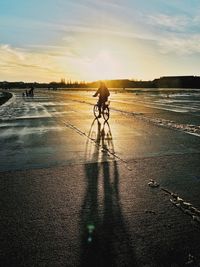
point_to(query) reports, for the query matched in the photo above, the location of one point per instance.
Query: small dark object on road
(153, 183)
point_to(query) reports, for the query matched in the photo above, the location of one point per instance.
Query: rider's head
(102, 84)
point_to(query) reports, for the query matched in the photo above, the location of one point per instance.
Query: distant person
(26, 93)
(31, 91)
(103, 93)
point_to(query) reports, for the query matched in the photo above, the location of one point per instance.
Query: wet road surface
(74, 190)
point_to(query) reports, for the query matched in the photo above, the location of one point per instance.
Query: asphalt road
(74, 190)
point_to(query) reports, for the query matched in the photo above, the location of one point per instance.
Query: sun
(103, 66)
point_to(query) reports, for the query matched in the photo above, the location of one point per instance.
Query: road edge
(6, 99)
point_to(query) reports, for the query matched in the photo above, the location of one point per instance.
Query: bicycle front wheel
(96, 111)
(106, 113)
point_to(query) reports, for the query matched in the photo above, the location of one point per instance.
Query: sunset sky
(46, 40)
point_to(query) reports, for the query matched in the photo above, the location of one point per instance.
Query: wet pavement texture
(74, 190)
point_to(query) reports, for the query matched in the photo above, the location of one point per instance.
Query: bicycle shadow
(105, 238)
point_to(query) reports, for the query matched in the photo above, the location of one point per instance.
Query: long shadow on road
(105, 238)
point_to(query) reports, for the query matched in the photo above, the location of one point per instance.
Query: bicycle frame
(105, 111)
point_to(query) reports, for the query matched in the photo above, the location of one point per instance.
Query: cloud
(52, 50)
(20, 63)
(14, 53)
(104, 32)
(196, 20)
(177, 34)
(175, 23)
(182, 45)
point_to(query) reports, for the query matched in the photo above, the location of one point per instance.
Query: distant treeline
(163, 82)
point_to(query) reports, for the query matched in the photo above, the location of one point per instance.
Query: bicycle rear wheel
(106, 113)
(96, 111)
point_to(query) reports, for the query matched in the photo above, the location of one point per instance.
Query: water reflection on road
(103, 228)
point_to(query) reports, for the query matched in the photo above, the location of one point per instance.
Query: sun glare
(103, 66)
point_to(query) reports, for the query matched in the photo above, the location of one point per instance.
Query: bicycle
(105, 111)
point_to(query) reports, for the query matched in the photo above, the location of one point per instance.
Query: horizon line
(69, 81)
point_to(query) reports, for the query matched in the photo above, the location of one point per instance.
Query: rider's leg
(104, 105)
(99, 107)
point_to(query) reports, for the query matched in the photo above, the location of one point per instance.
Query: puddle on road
(29, 130)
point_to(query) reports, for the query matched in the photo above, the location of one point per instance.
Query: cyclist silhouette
(103, 93)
